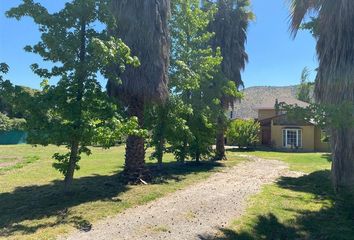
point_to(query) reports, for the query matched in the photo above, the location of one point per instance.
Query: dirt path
(194, 212)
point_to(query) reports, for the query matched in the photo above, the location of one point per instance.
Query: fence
(13, 137)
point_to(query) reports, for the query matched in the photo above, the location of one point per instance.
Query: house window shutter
(299, 138)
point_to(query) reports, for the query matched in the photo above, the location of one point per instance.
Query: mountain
(256, 96)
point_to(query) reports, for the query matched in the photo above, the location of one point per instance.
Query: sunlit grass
(304, 207)
(33, 206)
(303, 162)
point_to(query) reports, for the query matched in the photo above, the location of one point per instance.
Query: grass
(302, 162)
(158, 228)
(296, 207)
(10, 163)
(32, 204)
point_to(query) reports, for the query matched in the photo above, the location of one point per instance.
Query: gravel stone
(215, 202)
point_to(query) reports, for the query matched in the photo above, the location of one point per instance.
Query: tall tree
(230, 27)
(4, 69)
(334, 31)
(73, 111)
(143, 26)
(305, 90)
(193, 67)
(157, 119)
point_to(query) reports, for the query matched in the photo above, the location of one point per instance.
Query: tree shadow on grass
(267, 227)
(327, 156)
(43, 201)
(334, 222)
(37, 202)
(177, 171)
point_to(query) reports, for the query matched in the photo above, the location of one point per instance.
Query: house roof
(283, 119)
(257, 96)
(270, 103)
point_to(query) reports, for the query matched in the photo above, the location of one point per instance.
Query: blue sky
(275, 58)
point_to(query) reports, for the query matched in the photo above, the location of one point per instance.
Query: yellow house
(282, 133)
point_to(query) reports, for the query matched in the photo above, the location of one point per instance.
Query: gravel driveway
(194, 212)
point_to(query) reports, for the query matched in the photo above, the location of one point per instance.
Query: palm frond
(230, 28)
(298, 11)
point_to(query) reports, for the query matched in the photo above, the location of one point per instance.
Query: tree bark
(160, 149)
(342, 141)
(220, 146)
(184, 150)
(197, 156)
(135, 168)
(220, 140)
(69, 175)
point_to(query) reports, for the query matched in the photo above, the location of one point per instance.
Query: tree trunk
(160, 149)
(220, 140)
(184, 151)
(197, 156)
(342, 141)
(220, 146)
(81, 77)
(69, 176)
(134, 168)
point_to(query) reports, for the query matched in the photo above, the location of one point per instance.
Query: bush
(8, 124)
(243, 133)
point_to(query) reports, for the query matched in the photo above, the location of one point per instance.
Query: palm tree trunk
(342, 141)
(220, 146)
(220, 140)
(69, 175)
(134, 168)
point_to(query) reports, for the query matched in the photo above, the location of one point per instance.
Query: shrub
(243, 133)
(9, 124)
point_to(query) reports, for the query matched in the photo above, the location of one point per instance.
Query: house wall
(308, 137)
(266, 113)
(319, 145)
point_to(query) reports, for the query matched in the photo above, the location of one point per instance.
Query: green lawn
(32, 205)
(302, 162)
(296, 207)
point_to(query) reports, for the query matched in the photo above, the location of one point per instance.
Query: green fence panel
(13, 137)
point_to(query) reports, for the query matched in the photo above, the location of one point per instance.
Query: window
(292, 138)
(231, 114)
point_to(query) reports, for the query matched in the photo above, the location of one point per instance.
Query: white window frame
(298, 137)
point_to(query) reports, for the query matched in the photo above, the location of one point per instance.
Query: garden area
(143, 120)
(33, 206)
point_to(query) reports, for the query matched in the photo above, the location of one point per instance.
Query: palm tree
(333, 28)
(230, 28)
(143, 26)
